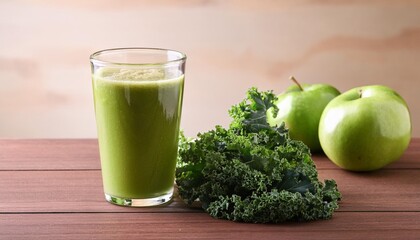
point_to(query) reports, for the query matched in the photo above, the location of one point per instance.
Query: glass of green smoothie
(138, 100)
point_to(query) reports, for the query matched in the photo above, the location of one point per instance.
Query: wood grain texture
(49, 154)
(231, 46)
(63, 191)
(81, 191)
(354, 225)
(73, 154)
(52, 189)
(64, 176)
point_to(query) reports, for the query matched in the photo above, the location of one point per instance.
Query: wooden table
(52, 189)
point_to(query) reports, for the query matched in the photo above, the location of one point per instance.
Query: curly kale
(252, 172)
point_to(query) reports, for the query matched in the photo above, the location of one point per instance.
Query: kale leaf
(251, 115)
(252, 172)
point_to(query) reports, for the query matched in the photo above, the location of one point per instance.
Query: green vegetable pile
(252, 172)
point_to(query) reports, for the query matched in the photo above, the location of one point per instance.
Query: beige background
(231, 45)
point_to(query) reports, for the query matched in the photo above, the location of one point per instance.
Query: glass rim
(94, 57)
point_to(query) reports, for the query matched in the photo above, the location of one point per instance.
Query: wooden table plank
(63, 191)
(81, 191)
(49, 154)
(69, 154)
(52, 189)
(347, 225)
(383, 190)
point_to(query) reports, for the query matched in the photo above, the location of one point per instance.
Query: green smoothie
(138, 116)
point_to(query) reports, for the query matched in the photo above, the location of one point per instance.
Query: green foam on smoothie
(132, 74)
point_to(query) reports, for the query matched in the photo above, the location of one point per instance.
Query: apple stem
(295, 81)
(360, 93)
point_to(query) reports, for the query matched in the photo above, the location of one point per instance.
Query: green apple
(300, 108)
(365, 128)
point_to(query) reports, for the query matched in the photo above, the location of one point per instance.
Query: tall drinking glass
(138, 100)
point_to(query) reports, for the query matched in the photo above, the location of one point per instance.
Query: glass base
(142, 202)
